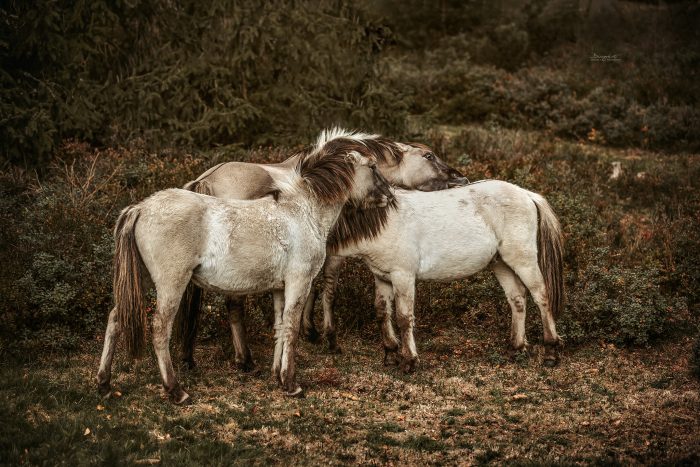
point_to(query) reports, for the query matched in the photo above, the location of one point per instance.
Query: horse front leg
(168, 303)
(278, 305)
(236, 316)
(383, 305)
(104, 374)
(331, 272)
(404, 297)
(287, 335)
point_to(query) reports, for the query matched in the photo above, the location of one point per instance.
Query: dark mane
(329, 175)
(355, 225)
(384, 149)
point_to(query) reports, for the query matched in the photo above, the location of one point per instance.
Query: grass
(602, 404)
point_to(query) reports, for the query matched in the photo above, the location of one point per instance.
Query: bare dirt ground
(466, 404)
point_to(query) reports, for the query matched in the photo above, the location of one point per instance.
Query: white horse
(453, 234)
(275, 243)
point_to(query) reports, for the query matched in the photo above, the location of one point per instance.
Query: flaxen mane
(380, 147)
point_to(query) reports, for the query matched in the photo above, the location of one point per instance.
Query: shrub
(59, 246)
(193, 73)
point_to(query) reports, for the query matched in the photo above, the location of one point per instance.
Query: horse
(411, 166)
(274, 243)
(453, 234)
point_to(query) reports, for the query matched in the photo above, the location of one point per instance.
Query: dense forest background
(103, 102)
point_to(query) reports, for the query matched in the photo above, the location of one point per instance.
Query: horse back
(235, 180)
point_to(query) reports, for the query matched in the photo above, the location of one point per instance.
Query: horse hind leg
(104, 374)
(188, 316)
(236, 316)
(516, 294)
(168, 301)
(529, 273)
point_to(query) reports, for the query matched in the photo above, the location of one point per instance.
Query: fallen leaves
(350, 396)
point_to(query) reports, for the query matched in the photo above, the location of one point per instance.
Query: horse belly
(458, 260)
(239, 258)
(240, 275)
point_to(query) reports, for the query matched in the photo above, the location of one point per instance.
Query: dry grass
(465, 405)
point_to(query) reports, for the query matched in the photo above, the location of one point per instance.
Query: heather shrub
(59, 246)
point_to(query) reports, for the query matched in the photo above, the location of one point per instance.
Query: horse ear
(356, 158)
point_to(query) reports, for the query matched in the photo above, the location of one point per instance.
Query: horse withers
(275, 243)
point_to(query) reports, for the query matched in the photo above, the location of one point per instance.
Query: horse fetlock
(189, 362)
(245, 364)
(520, 349)
(104, 388)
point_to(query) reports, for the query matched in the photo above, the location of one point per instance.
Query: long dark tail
(550, 255)
(191, 304)
(128, 284)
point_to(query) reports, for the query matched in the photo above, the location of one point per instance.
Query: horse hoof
(179, 397)
(104, 390)
(312, 335)
(246, 366)
(190, 364)
(391, 357)
(520, 355)
(298, 393)
(550, 362)
(409, 365)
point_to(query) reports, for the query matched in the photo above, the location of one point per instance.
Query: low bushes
(631, 243)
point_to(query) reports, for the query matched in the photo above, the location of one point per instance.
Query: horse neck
(392, 173)
(321, 216)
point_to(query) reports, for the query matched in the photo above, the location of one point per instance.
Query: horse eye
(430, 156)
